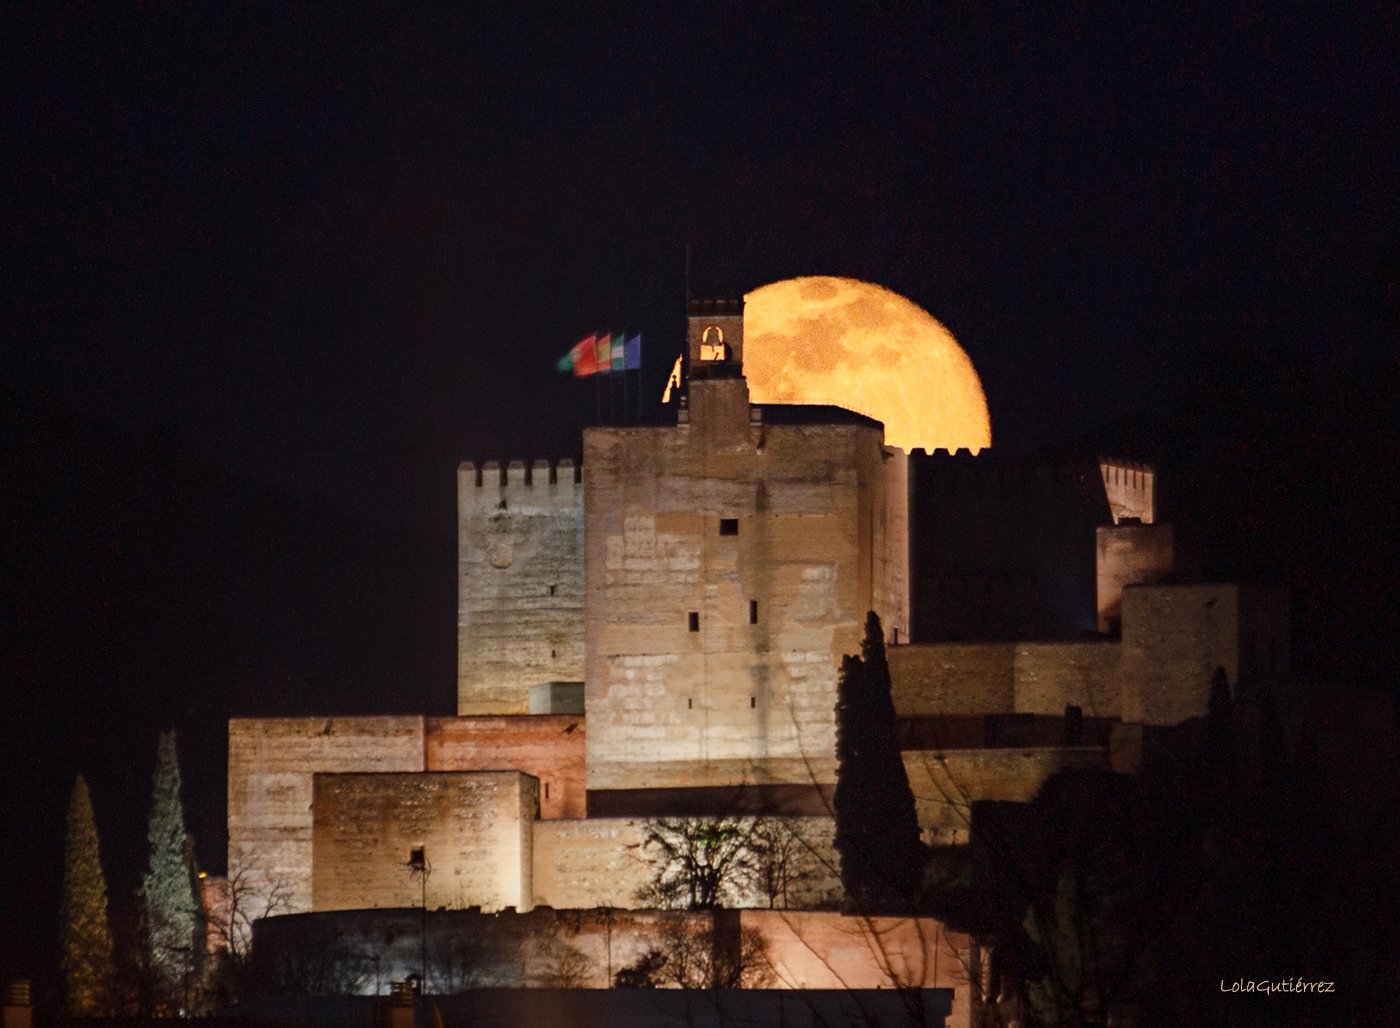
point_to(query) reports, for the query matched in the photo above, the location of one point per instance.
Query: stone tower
(520, 584)
(729, 561)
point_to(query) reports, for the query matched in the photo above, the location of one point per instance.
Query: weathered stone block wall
(271, 762)
(1006, 678)
(520, 583)
(894, 557)
(953, 678)
(1129, 555)
(550, 747)
(945, 783)
(1174, 637)
(1050, 676)
(743, 697)
(474, 828)
(593, 863)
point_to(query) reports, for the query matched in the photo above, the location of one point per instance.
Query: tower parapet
(1129, 486)
(519, 582)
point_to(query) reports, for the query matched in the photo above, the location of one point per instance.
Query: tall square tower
(729, 561)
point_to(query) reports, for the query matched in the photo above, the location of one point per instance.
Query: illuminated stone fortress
(658, 632)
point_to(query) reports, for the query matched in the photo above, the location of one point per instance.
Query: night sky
(271, 273)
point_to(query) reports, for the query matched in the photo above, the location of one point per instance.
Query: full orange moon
(860, 346)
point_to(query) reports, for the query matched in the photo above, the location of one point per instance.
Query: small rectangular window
(416, 859)
(694, 620)
(689, 703)
(546, 790)
(753, 701)
(753, 612)
(728, 526)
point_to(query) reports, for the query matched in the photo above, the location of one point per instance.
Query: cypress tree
(877, 830)
(174, 938)
(87, 937)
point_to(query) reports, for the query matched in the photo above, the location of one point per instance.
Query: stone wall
(823, 950)
(549, 747)
(1175, 636)
(520, 583)
(546, 948)
(894, 603)
(953, 678)
(1006, 678)
(724, 582)
(471, 829)
(1134, 554)
(945, 783)
(466, 949)
(1051, 676)
(593, 863)
(271, 762)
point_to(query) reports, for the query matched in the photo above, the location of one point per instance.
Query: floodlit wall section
(893, 575)
(440, 839)
(728, 565)
(548, 746)
(1132, 554)
(1052, 676)
(1006, 678)
(271, 762)
(520, 583)
(585, 864)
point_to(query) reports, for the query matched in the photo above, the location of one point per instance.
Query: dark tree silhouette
(877, 831)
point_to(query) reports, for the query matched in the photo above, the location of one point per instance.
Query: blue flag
(634, 353)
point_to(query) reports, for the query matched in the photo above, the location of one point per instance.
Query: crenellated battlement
(540, 487)
(517, 473)
(964, 468)
(1130, 489)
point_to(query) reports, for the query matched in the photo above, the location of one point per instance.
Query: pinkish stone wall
(548, 746)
